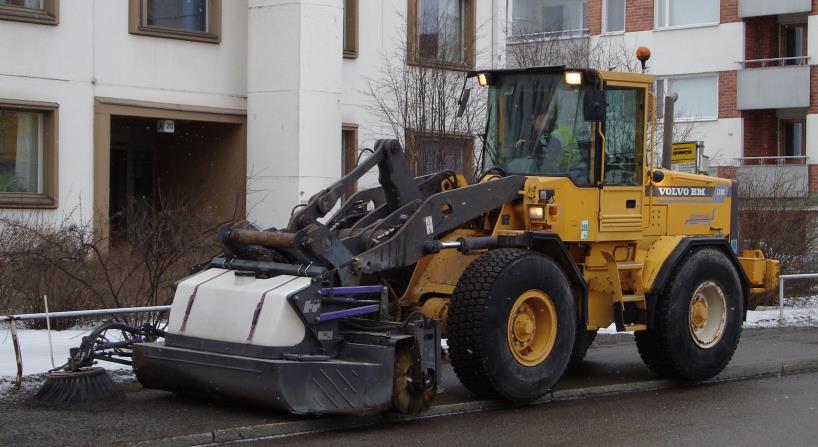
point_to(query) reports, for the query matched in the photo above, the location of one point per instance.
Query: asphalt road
(774, 411)
(158, 415)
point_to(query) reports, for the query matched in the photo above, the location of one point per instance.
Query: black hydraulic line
(267, 267)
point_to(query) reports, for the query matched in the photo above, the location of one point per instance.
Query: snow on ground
(802, 312)
(35, 351)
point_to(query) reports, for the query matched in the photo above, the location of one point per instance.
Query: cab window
(624, 136)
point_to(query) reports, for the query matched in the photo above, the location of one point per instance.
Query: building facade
(237, 106)
(251, 106)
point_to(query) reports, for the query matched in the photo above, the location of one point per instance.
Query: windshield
(536, 127)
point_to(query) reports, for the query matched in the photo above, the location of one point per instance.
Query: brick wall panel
(760, 133)
(639, 15)
(727, 95)
(813, 178)
(594, 19)
(813, 90)
(729, 11)
(726, 172)
(761, 37)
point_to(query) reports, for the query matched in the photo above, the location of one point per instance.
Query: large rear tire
(511, 325)
(698, 319)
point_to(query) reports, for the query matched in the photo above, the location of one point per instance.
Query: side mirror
(595, 105)
(463, 102)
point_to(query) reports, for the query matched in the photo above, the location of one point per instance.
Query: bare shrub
(776, 219)
(78, 269)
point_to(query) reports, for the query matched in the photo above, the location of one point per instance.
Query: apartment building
(234, 106)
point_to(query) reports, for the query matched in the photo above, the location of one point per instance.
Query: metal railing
(548, 35)
(774, 62)
(12, 319)
(781, 279)
(777, 160)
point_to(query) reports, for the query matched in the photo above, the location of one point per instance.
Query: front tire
(698, 319)
(511, 325)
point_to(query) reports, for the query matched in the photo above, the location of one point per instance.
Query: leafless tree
(77, 268)
(413, 96)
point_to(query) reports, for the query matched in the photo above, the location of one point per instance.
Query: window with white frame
(698, 97)
(549, 17)
(670, 13)
(614, 16)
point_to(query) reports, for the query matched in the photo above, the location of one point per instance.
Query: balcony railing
(549, 35)
(776, 160)
(760, 85)
(775, 62)
(773, 177)
(758, 8)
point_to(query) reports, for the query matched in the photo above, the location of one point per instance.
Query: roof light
(573, 77)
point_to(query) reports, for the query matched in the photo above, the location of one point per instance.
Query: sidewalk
(613, 366)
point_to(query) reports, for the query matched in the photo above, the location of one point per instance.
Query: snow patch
(35, 352)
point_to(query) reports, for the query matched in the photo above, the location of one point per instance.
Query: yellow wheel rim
(532, 327)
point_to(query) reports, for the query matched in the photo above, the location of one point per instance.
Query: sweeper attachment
(302, 319)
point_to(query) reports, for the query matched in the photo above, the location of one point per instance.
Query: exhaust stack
(667, 133)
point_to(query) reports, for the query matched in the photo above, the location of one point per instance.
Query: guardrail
(781, 279)
(67, 314)
(778, 160)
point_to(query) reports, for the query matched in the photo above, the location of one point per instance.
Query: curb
(287, 429)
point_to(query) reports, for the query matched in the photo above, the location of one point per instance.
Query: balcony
(760, 83)
(757, 8)
(773, 177)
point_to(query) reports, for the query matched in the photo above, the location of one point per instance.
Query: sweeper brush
(84, 385)
(78, 381)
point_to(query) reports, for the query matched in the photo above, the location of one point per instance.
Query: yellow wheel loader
(568, 229)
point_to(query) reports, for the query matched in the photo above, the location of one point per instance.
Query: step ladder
(635, 298)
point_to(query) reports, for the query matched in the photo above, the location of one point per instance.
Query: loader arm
(397, 182)
(409, 211)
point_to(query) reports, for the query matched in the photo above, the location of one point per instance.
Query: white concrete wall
(689, 51)
(91, 54)
(812, 139)
(692, 50)
(294, 96)
(169, 70)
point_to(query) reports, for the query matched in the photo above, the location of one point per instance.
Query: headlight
(536, 212)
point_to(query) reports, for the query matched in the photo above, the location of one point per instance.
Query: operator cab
(557, 122)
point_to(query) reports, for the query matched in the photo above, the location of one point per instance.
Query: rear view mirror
(463, 102)
(594, 106)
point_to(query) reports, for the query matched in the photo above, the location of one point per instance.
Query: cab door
(621, 190)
